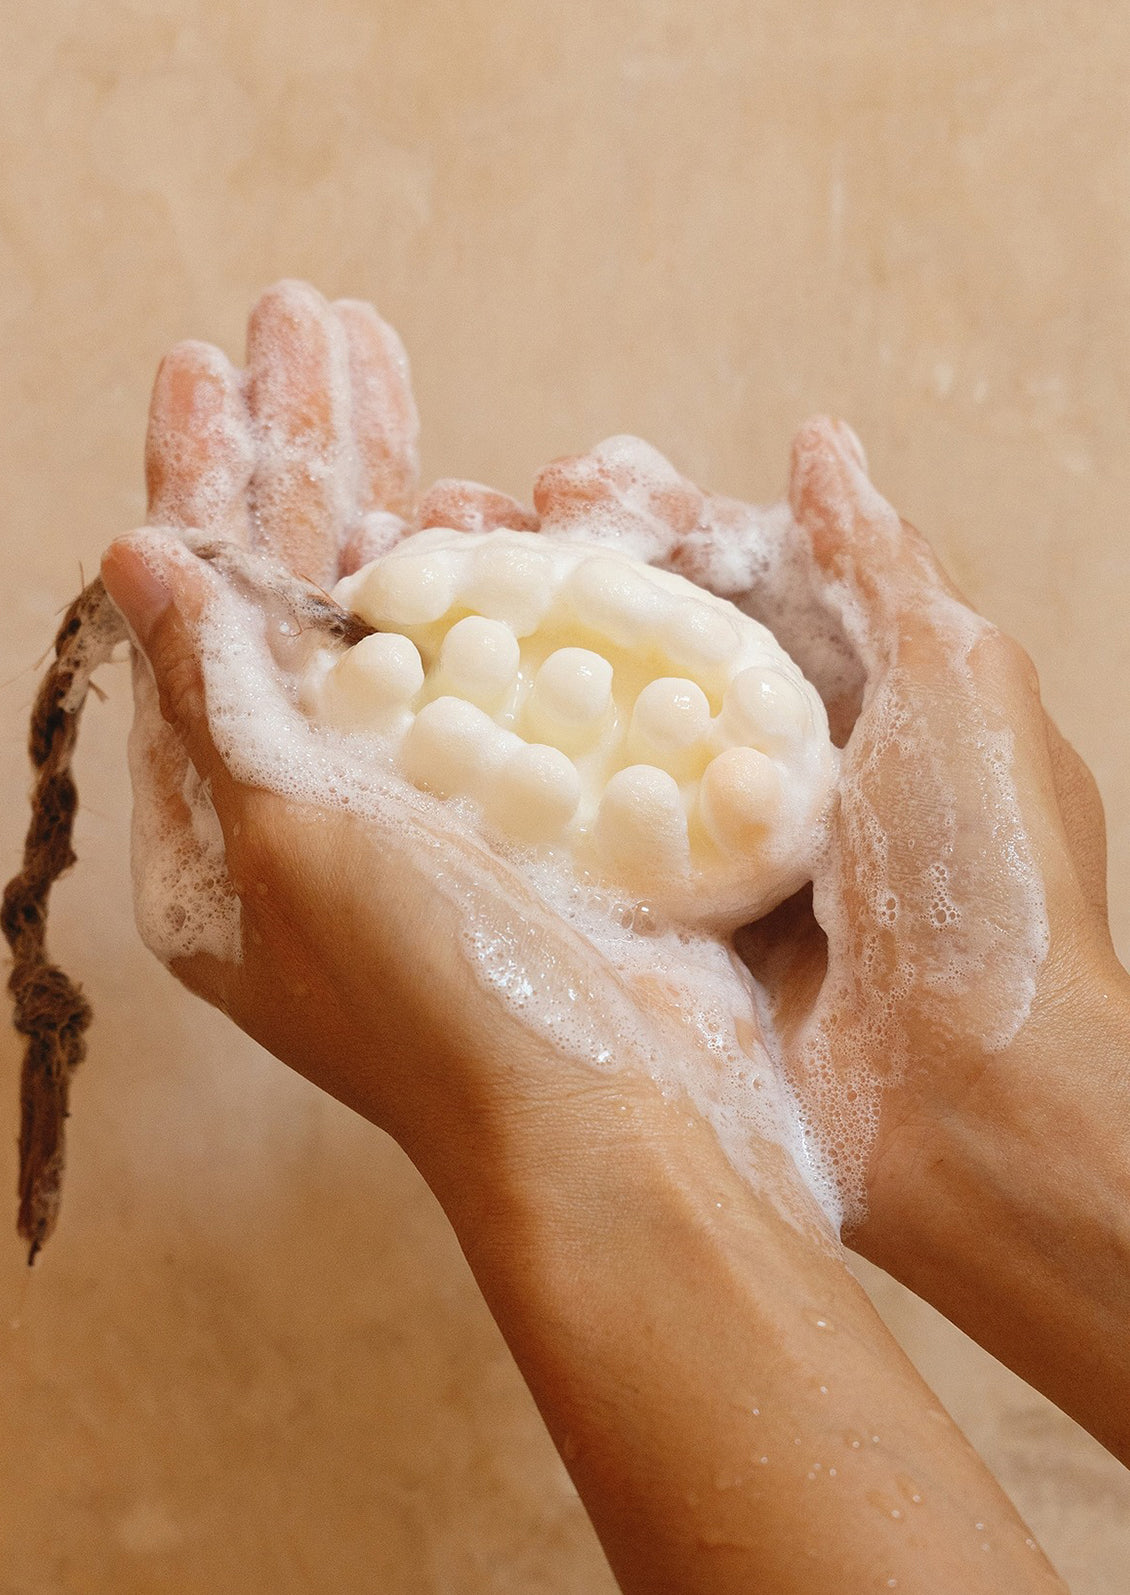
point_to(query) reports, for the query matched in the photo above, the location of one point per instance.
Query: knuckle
(1013, 661)
(179, 684)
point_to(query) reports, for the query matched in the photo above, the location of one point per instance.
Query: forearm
(730, 1407)
(1016, 1224)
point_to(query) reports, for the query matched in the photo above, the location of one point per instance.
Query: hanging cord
(50, 1009)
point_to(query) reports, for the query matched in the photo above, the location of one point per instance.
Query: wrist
(707, 1366)
(1011, 1213)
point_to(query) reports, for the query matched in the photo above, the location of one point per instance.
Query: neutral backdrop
(253, 1359)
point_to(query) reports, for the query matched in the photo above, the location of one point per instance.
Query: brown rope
(50, 1009)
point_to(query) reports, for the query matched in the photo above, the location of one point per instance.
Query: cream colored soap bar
(592, 704)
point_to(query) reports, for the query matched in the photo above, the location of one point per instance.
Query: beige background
(253, 1360)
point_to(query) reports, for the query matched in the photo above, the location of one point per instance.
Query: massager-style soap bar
(583, 701)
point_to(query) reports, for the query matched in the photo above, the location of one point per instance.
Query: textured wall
(253, 1360)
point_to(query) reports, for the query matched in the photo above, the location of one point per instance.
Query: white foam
(928, 923)
(183, 899)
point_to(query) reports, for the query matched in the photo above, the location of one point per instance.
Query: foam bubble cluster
(587, 702)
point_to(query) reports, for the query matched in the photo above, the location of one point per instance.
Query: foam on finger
(385, 425)
(198, 446)
(471, 507)
(298, 390)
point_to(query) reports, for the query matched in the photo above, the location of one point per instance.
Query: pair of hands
(959, 932)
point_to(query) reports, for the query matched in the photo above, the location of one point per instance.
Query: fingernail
(139, 592)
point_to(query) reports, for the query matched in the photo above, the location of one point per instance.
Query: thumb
(163, 592)
(856, 538)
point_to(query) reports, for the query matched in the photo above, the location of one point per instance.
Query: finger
(198, 447)
(373, 537)
(471, 507)
(622, 492)
(298, 394)
(163, 591)
(386, 427)
(856, 538)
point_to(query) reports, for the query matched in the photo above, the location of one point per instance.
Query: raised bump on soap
(450, 748)
(641, 825)
(409, 588)
(373, 681)
(670, 726)
(479, 661)
(571, 698)
(534, 793)
(512, 582)
(613, 598)
(764, 709)
(739, 799)
(702, 641)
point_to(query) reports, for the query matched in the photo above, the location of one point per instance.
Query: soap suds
(183, 900)
(884, 945)
(571, 976)
(895, 907)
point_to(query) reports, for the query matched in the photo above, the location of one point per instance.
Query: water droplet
(823, 1390)
(831, 1473)
(895, 1513)
(763, 1460)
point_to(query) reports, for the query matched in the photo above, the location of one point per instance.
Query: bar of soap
(582, 701)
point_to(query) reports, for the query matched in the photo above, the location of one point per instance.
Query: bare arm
(674, 1327)
(731, 1409)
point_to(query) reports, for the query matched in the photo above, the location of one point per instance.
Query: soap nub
(650, 734)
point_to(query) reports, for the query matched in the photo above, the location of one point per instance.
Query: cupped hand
(960, 904)
(957, 940)
(353, 961)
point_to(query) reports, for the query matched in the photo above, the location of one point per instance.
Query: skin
(673, 1326)
(1029, 1137)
